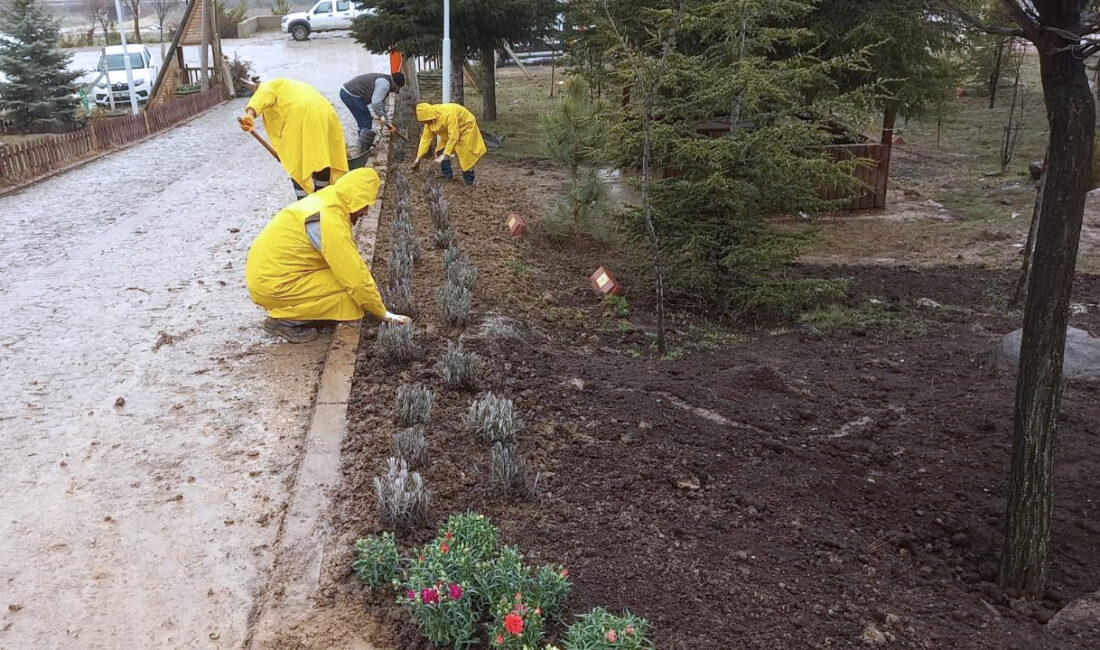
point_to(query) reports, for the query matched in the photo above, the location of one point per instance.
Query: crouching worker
(458, 133)
(365, 96)
(304, 266)
(304, 130)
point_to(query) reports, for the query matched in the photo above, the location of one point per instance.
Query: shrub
(444, 612)
(462, 274)
(509, 474)
(454, 304)
(400, 184)
(400, 298)
(414, 404)
(443, 238)
(402, 498)
(501, 577)
(411, 446)
(440, 213)
(551, 587)
(395, 344)
(494, 419)
(601, 630)
(453, 255)
(516, 625)
(377, 560)
(472, 531)
(459, 369)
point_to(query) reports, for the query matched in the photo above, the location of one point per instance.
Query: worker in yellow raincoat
(304, 266)
(458, 134)
(304, 130)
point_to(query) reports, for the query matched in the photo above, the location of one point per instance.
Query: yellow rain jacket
(293, 280)
(457, 130)
(304, 129)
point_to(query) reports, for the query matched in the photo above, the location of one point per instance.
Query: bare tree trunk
(994, 82)
(489, 89)
(135, 5)
(1071, 112)
(1029, 248)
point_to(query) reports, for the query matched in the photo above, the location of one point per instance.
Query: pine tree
(40, 91)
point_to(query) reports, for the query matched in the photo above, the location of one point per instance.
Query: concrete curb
(306, 530)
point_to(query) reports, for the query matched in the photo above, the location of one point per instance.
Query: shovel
(393, 130)
(261, 140)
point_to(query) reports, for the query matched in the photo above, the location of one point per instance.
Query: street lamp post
(446, 51)
(126, 59)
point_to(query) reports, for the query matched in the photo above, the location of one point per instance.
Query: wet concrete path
(149, 431)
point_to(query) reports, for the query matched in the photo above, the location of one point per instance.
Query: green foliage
(39, 90)
(839, 317)
(516, 625)
(280, 8)
(618, 305)
(227, 18)
(377, 560)
(602, 630)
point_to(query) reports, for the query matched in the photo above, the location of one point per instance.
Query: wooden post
(883, 183)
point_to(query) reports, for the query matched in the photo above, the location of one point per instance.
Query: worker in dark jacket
(365, 96)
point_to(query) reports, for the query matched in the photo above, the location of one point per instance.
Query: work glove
(247, 123)
(441, 158)
(416, 163)
(396, 319)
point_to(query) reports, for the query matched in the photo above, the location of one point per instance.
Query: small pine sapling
(458, 368)
(414, 404)
(494, 419)
(454, 304)
(411, 446)
(402, 498)
(395, 344)
(509, 473)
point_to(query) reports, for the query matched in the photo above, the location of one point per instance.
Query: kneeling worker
(304, 130)
(458, 133)
(304, 265)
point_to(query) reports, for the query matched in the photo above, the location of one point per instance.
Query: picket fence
(34, 158)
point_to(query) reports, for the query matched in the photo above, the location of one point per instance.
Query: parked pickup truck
(325, 16)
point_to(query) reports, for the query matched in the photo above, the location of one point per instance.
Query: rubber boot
(366, 140)
(289, 333)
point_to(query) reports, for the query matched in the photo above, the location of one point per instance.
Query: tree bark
(137, 20)
(489, 90)
(458, 81)
(995, 76)
(1071, 112)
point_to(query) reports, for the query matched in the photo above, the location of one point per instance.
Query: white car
(114, 83)
(325, 16)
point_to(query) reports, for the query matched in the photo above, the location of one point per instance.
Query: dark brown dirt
(780, 488)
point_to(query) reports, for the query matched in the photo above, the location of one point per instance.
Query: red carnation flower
(429, 596)
(513, 624)
(455, 591)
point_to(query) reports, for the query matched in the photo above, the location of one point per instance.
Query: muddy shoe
(290, 333)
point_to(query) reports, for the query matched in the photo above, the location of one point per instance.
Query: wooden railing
(28, 160)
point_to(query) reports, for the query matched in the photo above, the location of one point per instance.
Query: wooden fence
(872, 171)
(21, 162)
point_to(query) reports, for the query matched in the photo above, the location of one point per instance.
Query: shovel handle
(393, 130)
(260, 139)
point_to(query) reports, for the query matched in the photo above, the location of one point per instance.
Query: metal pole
(204, 53)
(446, 51)
(126, 59)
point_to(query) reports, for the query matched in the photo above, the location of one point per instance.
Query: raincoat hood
(426, 112)
(354, 190)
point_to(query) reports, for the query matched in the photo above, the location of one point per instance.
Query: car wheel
(299, 32)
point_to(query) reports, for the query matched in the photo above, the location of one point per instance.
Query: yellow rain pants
(293, 280)
(304, 129)
(457, 130)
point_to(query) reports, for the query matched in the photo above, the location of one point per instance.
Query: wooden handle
(260, 139)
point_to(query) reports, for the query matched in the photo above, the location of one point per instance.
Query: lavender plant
(509, 473)
(494, 419)
(458, 368)
(402, 498)
(411, 446)
(414, 404)
(395, 344)
(454, 303)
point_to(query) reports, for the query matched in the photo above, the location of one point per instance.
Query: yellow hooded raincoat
(457, 130)
(304, 129)
(291, 279)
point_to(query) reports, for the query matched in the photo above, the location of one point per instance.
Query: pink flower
(538, 610)
(429, 596)
(611, 637)
(500, 639)
(411, 595)
(565, 573)
(519, 596)
(444, 548)
(449, 535)
(629, 630)
(455, 591)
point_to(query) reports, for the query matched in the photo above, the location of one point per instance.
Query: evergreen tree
(40, 91)
(753, 61)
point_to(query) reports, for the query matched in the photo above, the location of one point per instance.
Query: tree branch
(974, 23)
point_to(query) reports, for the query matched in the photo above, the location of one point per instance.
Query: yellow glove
(247, 123)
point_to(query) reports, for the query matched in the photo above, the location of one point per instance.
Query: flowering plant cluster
(602, 630)
(377, 560)
(445, 613)
(516, 625)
